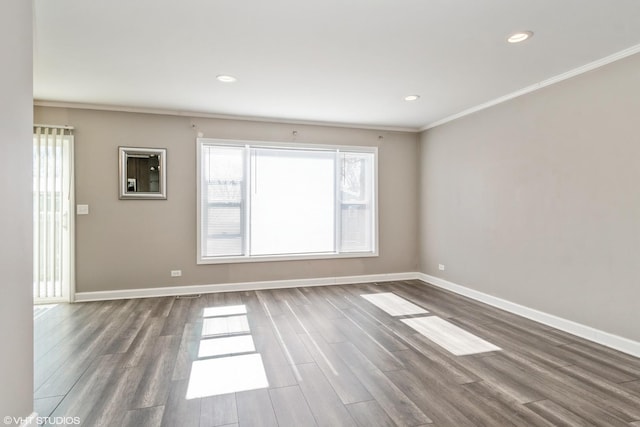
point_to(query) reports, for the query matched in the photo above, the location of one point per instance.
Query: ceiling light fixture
(226, 79)
(412, 97)
(520, 36)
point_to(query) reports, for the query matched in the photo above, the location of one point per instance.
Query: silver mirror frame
(123, 155)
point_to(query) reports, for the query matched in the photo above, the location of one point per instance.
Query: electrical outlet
(441, 267)
(176, 273)
(82, 209)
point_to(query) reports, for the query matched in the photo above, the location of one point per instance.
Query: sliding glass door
(52, 214)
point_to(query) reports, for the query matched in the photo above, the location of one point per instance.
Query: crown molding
(534, 87)
(197, 114)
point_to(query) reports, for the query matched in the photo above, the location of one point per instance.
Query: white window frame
(200, 142)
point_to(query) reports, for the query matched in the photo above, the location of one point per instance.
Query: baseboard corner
(607, 339)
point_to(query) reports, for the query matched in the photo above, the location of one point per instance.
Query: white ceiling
(345, 62)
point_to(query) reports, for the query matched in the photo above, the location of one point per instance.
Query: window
(260, 201)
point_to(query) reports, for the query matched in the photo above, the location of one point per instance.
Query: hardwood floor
(331, 358)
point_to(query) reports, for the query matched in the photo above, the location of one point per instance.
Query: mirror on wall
(143, 173)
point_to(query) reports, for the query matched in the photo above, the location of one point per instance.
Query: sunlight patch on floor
(227, 358)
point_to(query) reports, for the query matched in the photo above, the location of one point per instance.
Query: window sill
(273, 258)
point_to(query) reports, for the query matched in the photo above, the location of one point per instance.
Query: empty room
(320, 213)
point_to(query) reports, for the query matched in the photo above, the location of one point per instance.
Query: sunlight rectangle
(225, 325)
(393, 304)
(226, 310)
(212, 377)
(449, 336)
(226, 345)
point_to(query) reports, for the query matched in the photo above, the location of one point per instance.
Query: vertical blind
(52, 202)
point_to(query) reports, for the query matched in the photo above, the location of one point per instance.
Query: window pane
(292, 201)
(222, 201)
(356, 196)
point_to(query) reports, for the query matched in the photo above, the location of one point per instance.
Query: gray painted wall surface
(537, 200)
(125, 244)
(16, 302)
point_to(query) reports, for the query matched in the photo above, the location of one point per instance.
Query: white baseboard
(607, 339)
(241, 286)
(610, 340)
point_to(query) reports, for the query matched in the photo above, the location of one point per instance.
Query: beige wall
(537, 200)
(16, 312)
(129, 244)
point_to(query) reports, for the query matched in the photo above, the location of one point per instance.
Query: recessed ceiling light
(412, 97)
(520, 36)
(226, 79)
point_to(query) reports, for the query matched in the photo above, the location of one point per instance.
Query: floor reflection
(41, 309)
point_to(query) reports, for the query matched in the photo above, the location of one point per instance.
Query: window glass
(292, 201)
(356, 208)
(222, 201)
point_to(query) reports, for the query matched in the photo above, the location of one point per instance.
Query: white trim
(241, 286)
(248, 176)
(605, 338)
(550, 81)
(196, 114)
(299, 145)
(31, 420)
(65, 127)
(277, 258)
(72, 224)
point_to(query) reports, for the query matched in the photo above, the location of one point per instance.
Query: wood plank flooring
(331, 358)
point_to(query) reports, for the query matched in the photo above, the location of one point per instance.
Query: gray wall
(537, 200)
(16, 312)
(124, 244)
